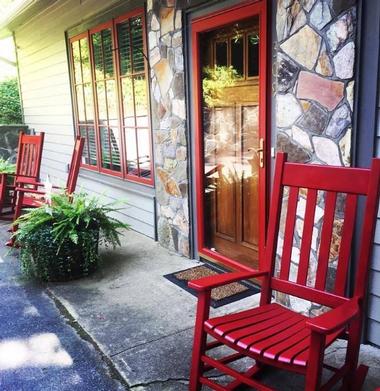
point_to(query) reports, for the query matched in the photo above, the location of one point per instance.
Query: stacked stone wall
(314, 94)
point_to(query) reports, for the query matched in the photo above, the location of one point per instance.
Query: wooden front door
(229, 56)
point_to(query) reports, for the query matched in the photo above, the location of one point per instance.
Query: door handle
(260, 151)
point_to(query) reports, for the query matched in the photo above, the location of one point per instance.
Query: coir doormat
(219, 296)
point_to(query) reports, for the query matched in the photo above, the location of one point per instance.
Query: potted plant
(59, 241)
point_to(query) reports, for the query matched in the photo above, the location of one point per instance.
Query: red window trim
(112, 24)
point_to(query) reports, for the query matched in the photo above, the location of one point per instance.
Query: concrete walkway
(141, 324)
(144, 323)
(39, 349)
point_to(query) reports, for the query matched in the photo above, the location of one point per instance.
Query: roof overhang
(19, 12)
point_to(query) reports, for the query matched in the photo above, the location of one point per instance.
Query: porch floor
(144, 323)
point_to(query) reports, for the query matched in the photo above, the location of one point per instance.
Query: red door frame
(201, 25)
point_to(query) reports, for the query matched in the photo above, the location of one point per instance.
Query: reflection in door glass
(230, 88)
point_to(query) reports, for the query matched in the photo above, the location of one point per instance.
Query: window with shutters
(110, 90)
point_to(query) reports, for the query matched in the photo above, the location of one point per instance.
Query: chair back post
(273, 228)
(368, 229)
(72, 177)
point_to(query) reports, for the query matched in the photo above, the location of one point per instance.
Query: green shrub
(10, 106)
(60, 241)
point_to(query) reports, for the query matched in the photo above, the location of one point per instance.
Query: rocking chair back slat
(307, 236)
(347, 235)
(289, 229)
(325, 245)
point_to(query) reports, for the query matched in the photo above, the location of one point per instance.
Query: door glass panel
(253, 55)
(231, 139)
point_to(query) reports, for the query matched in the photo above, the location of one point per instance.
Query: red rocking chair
(273, 335)
(33, 197)
(28, 165)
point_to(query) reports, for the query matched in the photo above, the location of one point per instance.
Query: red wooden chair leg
(315, 362)
(352, 355)
(17, 214)
(200, 339)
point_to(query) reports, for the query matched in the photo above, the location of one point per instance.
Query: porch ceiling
(17, 12)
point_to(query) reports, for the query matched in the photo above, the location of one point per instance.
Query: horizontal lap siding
(47, 105)
(374, 287)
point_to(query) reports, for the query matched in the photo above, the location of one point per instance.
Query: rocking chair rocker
(276, 336)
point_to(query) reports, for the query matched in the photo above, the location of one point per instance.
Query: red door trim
(200, 25)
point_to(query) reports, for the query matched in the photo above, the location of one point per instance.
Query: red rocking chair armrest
(26, 190)
(208, 283)
(335, 319)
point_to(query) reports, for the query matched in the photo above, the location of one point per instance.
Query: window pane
(85, 55)
(76, 62)
(89, 103)
(130, 140)
(105, 147)
(124, 47)
(137, 45)
(108, 53)
(140, 95)
(102, 104)
(98, 55)
(115, 148)
(253, 55)
(92, 145)
(143, 136)
(112, 101)
(128, 108)
(142, 122)
(83, 133)
(237, 55)
(221, 53)
(80, 104)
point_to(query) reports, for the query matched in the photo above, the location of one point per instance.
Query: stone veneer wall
(169, 125)
(314, 91)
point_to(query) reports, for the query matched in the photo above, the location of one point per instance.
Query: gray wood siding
(45, 87)
(373, 331)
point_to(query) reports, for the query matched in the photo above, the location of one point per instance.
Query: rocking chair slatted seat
(272, 334)
(29, 155)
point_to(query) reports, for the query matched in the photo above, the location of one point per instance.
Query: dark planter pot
(44, 259)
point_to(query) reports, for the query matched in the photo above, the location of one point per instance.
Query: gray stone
(341, 5)
(340, 120)
(154, 25)
(287, 110)
(179, 108)
(163, 51)
(298, 16)
(290, 17)
(170, 151)
(307, 4)
(303, 47)
(324, 66)
(178, 59)
(152, 40)
(301, 137)
(350, 94)
(294, 151)
(154, 56)
(314, 120)
(287, 72)
(338, 33)
(320, 15)
(180, 173)
(326, 150)
(177, 39)
(344, 61)
(345, 147)
(178, 85)
(164, 232)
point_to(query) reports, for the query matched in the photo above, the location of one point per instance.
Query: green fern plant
(60, 241)
(6, 167)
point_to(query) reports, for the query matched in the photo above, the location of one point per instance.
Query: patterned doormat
(219, 296)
